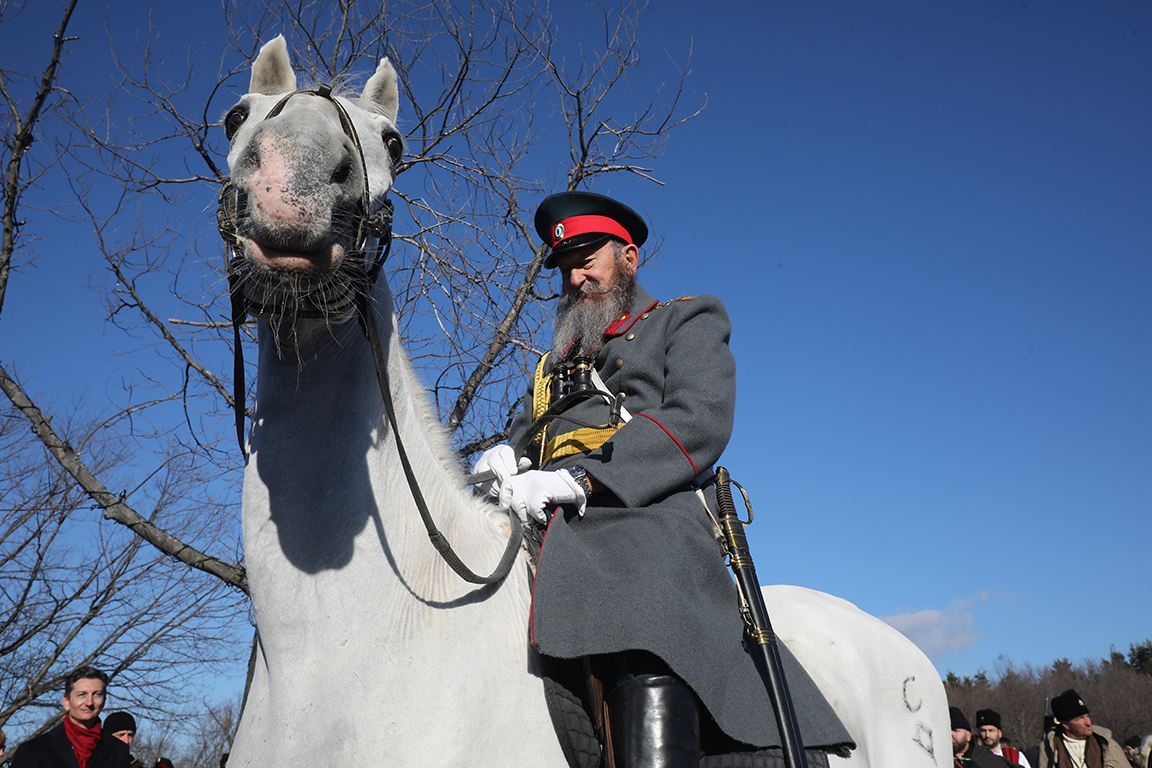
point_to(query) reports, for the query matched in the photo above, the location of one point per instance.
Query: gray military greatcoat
(641, 569)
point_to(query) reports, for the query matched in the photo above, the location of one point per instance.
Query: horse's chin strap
(366, 317)
(242, 306)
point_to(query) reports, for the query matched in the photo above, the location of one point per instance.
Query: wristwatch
(581, 478)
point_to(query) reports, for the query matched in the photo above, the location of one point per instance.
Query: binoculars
(572, 376)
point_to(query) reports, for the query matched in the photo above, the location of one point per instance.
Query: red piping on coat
(694, 472)
(532, 604)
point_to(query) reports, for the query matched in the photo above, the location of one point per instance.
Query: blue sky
(930, 223)
(932, 226)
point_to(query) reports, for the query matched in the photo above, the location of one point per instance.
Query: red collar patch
(625, 322)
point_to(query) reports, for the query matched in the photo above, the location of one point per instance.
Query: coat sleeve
(1114, 756)
(666, 445)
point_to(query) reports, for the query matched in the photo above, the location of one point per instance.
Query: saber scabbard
(759, 627)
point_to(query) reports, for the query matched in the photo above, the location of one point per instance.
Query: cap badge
(558, 232)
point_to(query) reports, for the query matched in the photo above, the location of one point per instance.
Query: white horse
(371, 650)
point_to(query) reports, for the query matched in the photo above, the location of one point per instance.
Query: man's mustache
(592, 289)
(588, 290)
(595, 288)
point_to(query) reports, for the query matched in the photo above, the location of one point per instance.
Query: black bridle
(370, 223)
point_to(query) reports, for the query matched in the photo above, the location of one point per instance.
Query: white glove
(501, 459)
(538, 492)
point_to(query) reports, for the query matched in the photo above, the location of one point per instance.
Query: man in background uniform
(989, 733)
(966, 751)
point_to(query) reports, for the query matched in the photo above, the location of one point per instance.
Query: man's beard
(583, 315)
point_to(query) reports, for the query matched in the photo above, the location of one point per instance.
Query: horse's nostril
(342, 172)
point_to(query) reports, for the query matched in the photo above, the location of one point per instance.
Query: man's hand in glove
(538, 493)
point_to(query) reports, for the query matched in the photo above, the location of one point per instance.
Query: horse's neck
(325, 471)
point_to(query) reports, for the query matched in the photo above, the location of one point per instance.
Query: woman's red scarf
(84, 740)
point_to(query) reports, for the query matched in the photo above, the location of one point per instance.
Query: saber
(756, 618)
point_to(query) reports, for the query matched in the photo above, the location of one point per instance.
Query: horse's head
(309, 175)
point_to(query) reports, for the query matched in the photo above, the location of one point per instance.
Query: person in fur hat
(1076, 742)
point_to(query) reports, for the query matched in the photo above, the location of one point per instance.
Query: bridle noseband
(371, 222)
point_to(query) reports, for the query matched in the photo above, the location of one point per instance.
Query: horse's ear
(380, 93)
(272, 72)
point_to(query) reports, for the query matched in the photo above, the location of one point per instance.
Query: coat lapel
(62, 746)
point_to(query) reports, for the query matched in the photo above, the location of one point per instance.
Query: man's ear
(631, 254)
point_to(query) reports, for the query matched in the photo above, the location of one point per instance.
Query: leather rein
(369, 224)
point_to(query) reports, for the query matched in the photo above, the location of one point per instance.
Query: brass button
(644, 316)
(619, 362)
(629, 337)
(622, 396)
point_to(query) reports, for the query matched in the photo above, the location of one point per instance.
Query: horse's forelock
(342, 85)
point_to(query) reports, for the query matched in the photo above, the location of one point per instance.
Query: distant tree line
(1117, 691)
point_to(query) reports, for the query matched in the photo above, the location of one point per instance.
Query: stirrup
(655, 723)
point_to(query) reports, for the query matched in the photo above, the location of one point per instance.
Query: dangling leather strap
(367, 321)
(239, 396)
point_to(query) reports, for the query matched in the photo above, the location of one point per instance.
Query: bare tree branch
(18, 144)
(115, 507)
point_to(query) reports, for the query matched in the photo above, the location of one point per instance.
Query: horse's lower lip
(294, 261)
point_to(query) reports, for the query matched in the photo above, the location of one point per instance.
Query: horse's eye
(234, 119)
(395, 146)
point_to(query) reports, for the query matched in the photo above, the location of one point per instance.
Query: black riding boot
(655, 723)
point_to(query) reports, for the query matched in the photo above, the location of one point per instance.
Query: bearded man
(968, 752)
(630, 582)
(989, 733)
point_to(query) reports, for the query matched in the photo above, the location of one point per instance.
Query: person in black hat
(121, 725)
(630, 578)
(967, 752)
(1076, 742)
(989, 734)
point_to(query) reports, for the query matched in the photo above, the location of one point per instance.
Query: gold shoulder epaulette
(679, 298)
